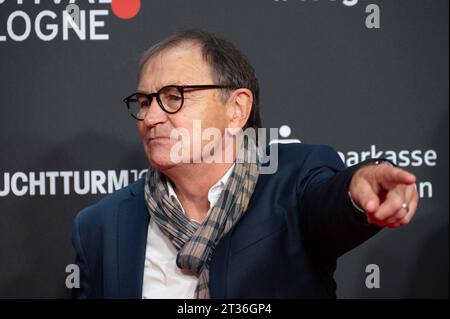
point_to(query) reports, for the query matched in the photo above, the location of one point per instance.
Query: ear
(239, 107)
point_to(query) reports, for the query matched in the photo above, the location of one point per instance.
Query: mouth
(158, 139)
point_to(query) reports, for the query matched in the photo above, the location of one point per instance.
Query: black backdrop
(322, 72)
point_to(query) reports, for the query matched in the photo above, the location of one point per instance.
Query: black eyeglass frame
(180, 88)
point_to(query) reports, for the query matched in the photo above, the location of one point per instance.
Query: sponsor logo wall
(368, 77)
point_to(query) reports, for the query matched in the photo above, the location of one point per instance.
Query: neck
(191, 184)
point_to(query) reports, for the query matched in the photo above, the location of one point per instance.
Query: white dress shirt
(162, 278)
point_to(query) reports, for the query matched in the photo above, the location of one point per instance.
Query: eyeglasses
(170, 98)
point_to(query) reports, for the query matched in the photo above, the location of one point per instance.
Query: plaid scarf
(196, 242)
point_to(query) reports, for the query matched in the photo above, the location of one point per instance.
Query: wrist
(354, 204)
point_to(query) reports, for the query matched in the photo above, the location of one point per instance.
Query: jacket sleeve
(85, 290)
(330, 222)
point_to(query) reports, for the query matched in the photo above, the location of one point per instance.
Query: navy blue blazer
(298, 222)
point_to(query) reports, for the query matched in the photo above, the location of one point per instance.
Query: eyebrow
(159, 87)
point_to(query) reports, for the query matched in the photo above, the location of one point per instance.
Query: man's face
(181, 65)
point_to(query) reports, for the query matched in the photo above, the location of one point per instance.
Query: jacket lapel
(218, 268)
(132, 230)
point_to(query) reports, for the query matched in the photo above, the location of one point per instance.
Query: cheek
(213, 115)
(216, 119)
(142, 129)
(209, 114)
(186, 119)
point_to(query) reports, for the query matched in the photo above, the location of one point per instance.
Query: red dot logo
(125, 9)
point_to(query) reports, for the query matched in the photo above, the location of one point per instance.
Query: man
(198, 228)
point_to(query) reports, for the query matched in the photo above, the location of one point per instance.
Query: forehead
(182, 65)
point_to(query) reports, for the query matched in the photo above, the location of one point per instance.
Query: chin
(160, 161)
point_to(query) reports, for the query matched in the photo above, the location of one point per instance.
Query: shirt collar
(213, 193)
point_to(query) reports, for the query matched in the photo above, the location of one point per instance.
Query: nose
(155, 115)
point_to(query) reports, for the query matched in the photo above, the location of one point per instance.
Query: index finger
(395, 175)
